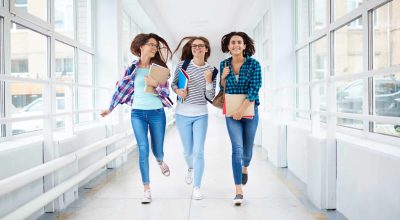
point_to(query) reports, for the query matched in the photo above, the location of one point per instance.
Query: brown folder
(158, 73)
(233, 103)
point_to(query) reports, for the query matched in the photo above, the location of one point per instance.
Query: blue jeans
(242, 134)
(142, 121)
(192, 131)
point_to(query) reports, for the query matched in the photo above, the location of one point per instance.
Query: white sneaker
(146, 197)
(189, 176)
(197, 193)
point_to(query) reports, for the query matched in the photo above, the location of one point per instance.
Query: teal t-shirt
(141, 99)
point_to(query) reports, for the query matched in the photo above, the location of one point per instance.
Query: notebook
(183, 79)
(159, 74)
(234, 101)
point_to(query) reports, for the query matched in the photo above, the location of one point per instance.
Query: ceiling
(212, 19)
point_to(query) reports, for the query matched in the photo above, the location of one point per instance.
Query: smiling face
(150, 48)
(236, 45)
(199, 49)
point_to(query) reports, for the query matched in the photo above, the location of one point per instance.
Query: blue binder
(183, 79)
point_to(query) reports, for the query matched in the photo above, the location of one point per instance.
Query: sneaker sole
(237, 203)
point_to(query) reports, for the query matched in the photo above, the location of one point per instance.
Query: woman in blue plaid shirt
(241, 74)
(147, 109)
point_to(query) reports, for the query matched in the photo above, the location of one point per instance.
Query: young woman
(241, 74)
(192, 113)
(147, 109)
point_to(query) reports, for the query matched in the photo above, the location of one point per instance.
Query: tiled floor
(271, 193)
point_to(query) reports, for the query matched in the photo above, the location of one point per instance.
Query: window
(385, 36)
(19, 66)
(386, 102)
(343, 7)
(349, 99)
(302, 30)
(319, 59)
(348, 50)
(85, 22)
(303, 76)
(64, 55)
(319, 14)
(84, 100)
(64, 17)
(36, 8)
(28, 53)
(85, 68)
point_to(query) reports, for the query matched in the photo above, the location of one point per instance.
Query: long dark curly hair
(250, 49)
(187, 47)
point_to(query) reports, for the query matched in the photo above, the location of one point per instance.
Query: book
(234, 101)
(159, 74)
(183, 79)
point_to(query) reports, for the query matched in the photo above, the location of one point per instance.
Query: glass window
(36, 8)
(319, 59)
(125, 38)
(302, 30)
(64, 17)
(303, 101)
(28, 53)
(302, 60)
(342, 7)
(386, 101)
(84, 100)
(386, 35)
(349, 99)
(85, 66)
(85, 22)
(64, 70)
(318, 14)
(348, 50)
(26, 100)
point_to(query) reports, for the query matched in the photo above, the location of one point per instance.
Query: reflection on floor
(271, 193)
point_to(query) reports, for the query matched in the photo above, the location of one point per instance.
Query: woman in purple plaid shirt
(147, 109)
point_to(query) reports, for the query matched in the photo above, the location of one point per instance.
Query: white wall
(297, 149)
(368, 180)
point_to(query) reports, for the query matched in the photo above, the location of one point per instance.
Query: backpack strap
(186, 64)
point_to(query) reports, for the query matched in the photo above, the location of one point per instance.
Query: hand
(150, 81)
(208, 76)
(237, 115)
(225, 73)
(181, 93)
(104, 112)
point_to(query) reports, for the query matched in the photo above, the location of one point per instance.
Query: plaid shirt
(249, 79)
(125, 88)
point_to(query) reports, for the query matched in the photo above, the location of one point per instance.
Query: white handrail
(26, 210)
(14, 182)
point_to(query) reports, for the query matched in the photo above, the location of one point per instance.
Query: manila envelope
(158, 73)
(233, 103)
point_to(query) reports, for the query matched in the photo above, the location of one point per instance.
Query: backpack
(214, 75)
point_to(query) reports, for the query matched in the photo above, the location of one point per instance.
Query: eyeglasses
(152, 45)
(200, 46)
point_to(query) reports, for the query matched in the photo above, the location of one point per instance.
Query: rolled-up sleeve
(255, 82)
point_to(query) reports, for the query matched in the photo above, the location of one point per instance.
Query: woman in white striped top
(192, 113)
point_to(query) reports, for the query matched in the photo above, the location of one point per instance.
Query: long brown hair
(187, 48)
(250, 50)
(163, 50)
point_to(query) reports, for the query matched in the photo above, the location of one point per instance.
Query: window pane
(64, 70)
(387, 102)
(85, 22)
(302, 65)
(301, 20)
(125, 38)
(348, 49)
(342, 7)
(64, 17)
(386, 35)
(319, 16)
(319, 58)
(28, 53)
(37, 8)
(85, 72)
(84, 100)
(303, 101)
(349, 96)
(26, 100)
